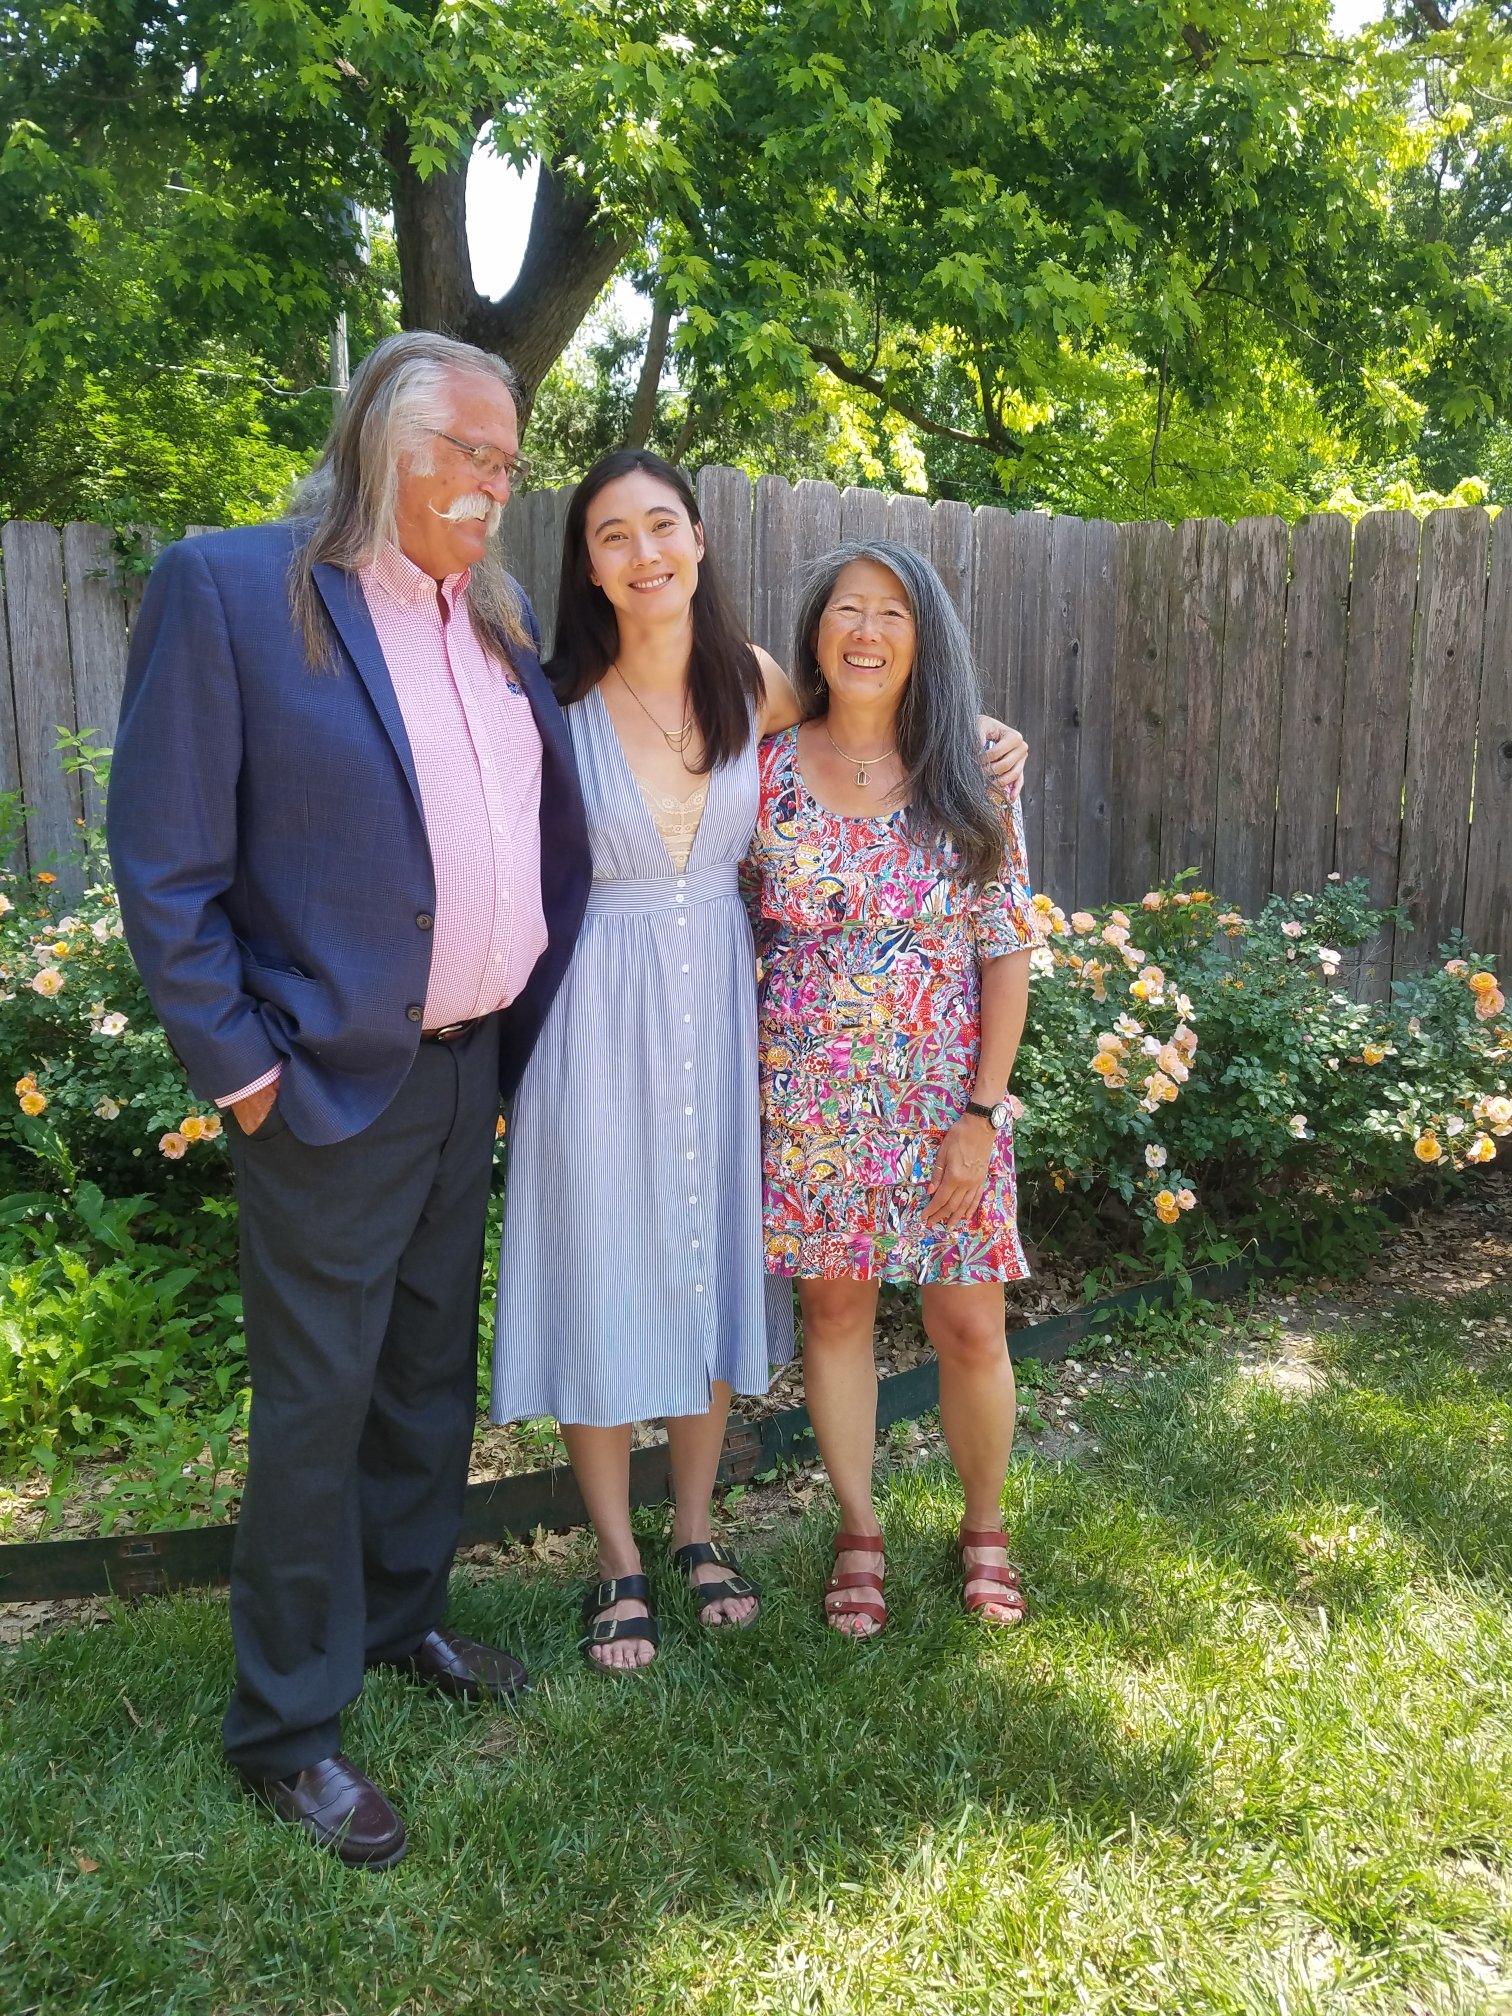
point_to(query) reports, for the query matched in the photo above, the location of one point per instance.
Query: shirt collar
(397, 576)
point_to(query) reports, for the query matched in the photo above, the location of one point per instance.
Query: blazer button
(425, 920)
(414, 1011)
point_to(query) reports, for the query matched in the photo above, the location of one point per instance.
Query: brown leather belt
(451, 1032)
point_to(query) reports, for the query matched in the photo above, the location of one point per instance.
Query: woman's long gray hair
(398, 392)
(938, 734)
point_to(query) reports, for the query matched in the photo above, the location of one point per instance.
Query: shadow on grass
(612, 1833)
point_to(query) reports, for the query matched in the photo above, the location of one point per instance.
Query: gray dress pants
(361, 1267)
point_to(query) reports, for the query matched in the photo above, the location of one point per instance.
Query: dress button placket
(690, 1150)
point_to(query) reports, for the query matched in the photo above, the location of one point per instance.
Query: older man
(349, 843)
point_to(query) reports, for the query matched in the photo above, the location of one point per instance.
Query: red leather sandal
(1005, 1592)
(857, 1593)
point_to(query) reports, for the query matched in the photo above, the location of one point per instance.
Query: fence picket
(1249, 725)
(1488, 881)
(951, 552)
(1094, 709)
(1312, 697)
(1060, 745)
(96, 637)
(1145, 556)
(1446, 663)
(1194, 674)
(724, 504)
(42, 683)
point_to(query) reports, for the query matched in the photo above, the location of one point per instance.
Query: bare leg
(693, 1445)
(978, 1407)
(601, 1463)
(840, 1385)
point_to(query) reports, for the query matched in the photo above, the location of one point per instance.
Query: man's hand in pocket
(255, 1108)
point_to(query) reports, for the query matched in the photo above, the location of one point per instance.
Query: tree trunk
(568, 260)
(643, 412)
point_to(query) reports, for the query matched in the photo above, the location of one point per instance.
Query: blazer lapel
(544, 705)
(342, 594)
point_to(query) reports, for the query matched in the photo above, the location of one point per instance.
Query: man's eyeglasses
(490, 463)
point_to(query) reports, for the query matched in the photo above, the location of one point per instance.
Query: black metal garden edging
(133, 1565)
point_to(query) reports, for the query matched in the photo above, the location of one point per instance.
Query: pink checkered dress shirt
(477, 754)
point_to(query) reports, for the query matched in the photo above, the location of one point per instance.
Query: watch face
(1000, 1113)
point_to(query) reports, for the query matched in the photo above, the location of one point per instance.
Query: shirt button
(682, 882)
(414, 1011)
(695, 1245)
(691, 1153)
(688, 1112)
(425, 920)
(687, 1018)
(680, 899)
(687, 1063)
(685, 968)
(694, 1198)
(698, 1287)
(682, 923)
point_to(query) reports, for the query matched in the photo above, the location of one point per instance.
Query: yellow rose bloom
(1489, 1001)
(1373, 1053)
(33, 1103)
(1105, 1063)
(1481, 1149)
(210, 1127)
(1167, 1210)
(1480, 983)
(26, 1084)
(192, 1127)
(1427, 1149)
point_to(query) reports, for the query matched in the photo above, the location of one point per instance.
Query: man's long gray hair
(939, 738)
(398, 393)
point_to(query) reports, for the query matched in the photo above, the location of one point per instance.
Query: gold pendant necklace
(864, 764)
(677, 742)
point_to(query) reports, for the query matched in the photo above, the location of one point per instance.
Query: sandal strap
(618, 1589)
(699, 1553)
(862, 1604)
(705, 1593)
(1008, 1599)
(610, 1630)
(993, 1571)
(858, 1543)
(970, 1539)
(856, 1578)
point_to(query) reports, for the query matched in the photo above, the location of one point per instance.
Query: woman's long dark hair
(724, 679)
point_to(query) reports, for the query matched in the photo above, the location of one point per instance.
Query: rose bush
(1190, 1076)
(1189, 1079)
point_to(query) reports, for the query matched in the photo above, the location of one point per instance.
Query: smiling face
(446, 512)
(865, 640)
(643, 548)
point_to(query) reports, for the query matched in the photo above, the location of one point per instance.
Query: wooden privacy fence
(1262, 706)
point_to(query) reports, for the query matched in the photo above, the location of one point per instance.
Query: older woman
(895, 929)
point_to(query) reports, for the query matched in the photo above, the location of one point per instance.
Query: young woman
(631, 1277)
(896, 922)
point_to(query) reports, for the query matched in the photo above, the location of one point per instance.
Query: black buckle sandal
(601, 1596)
(697, 1554)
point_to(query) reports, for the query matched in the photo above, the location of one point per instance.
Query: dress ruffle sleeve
(1004, 918)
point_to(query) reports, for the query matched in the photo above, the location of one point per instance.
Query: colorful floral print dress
(870, 1026)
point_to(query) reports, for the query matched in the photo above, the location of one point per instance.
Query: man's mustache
(474, 505)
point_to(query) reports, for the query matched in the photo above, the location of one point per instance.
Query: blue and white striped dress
(631, 1272)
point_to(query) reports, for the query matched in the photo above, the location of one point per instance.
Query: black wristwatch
(995, 1116)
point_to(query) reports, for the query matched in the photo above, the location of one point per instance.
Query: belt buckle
(448, 1032)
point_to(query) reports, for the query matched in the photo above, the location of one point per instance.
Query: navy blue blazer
(269, 848)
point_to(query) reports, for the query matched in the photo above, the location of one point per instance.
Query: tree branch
(643, 411)
(1433, 14)
(1000, 442)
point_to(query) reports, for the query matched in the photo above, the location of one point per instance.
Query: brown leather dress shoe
(339, 1809)
(463, 1668)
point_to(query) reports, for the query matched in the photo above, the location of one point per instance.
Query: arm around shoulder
(780, 706)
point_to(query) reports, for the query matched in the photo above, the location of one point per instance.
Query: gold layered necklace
(677, 741)
(864, 764)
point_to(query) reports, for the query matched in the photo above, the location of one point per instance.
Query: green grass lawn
(1254, 1753)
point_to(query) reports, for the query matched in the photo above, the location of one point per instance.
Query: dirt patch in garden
(1439, 1253)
